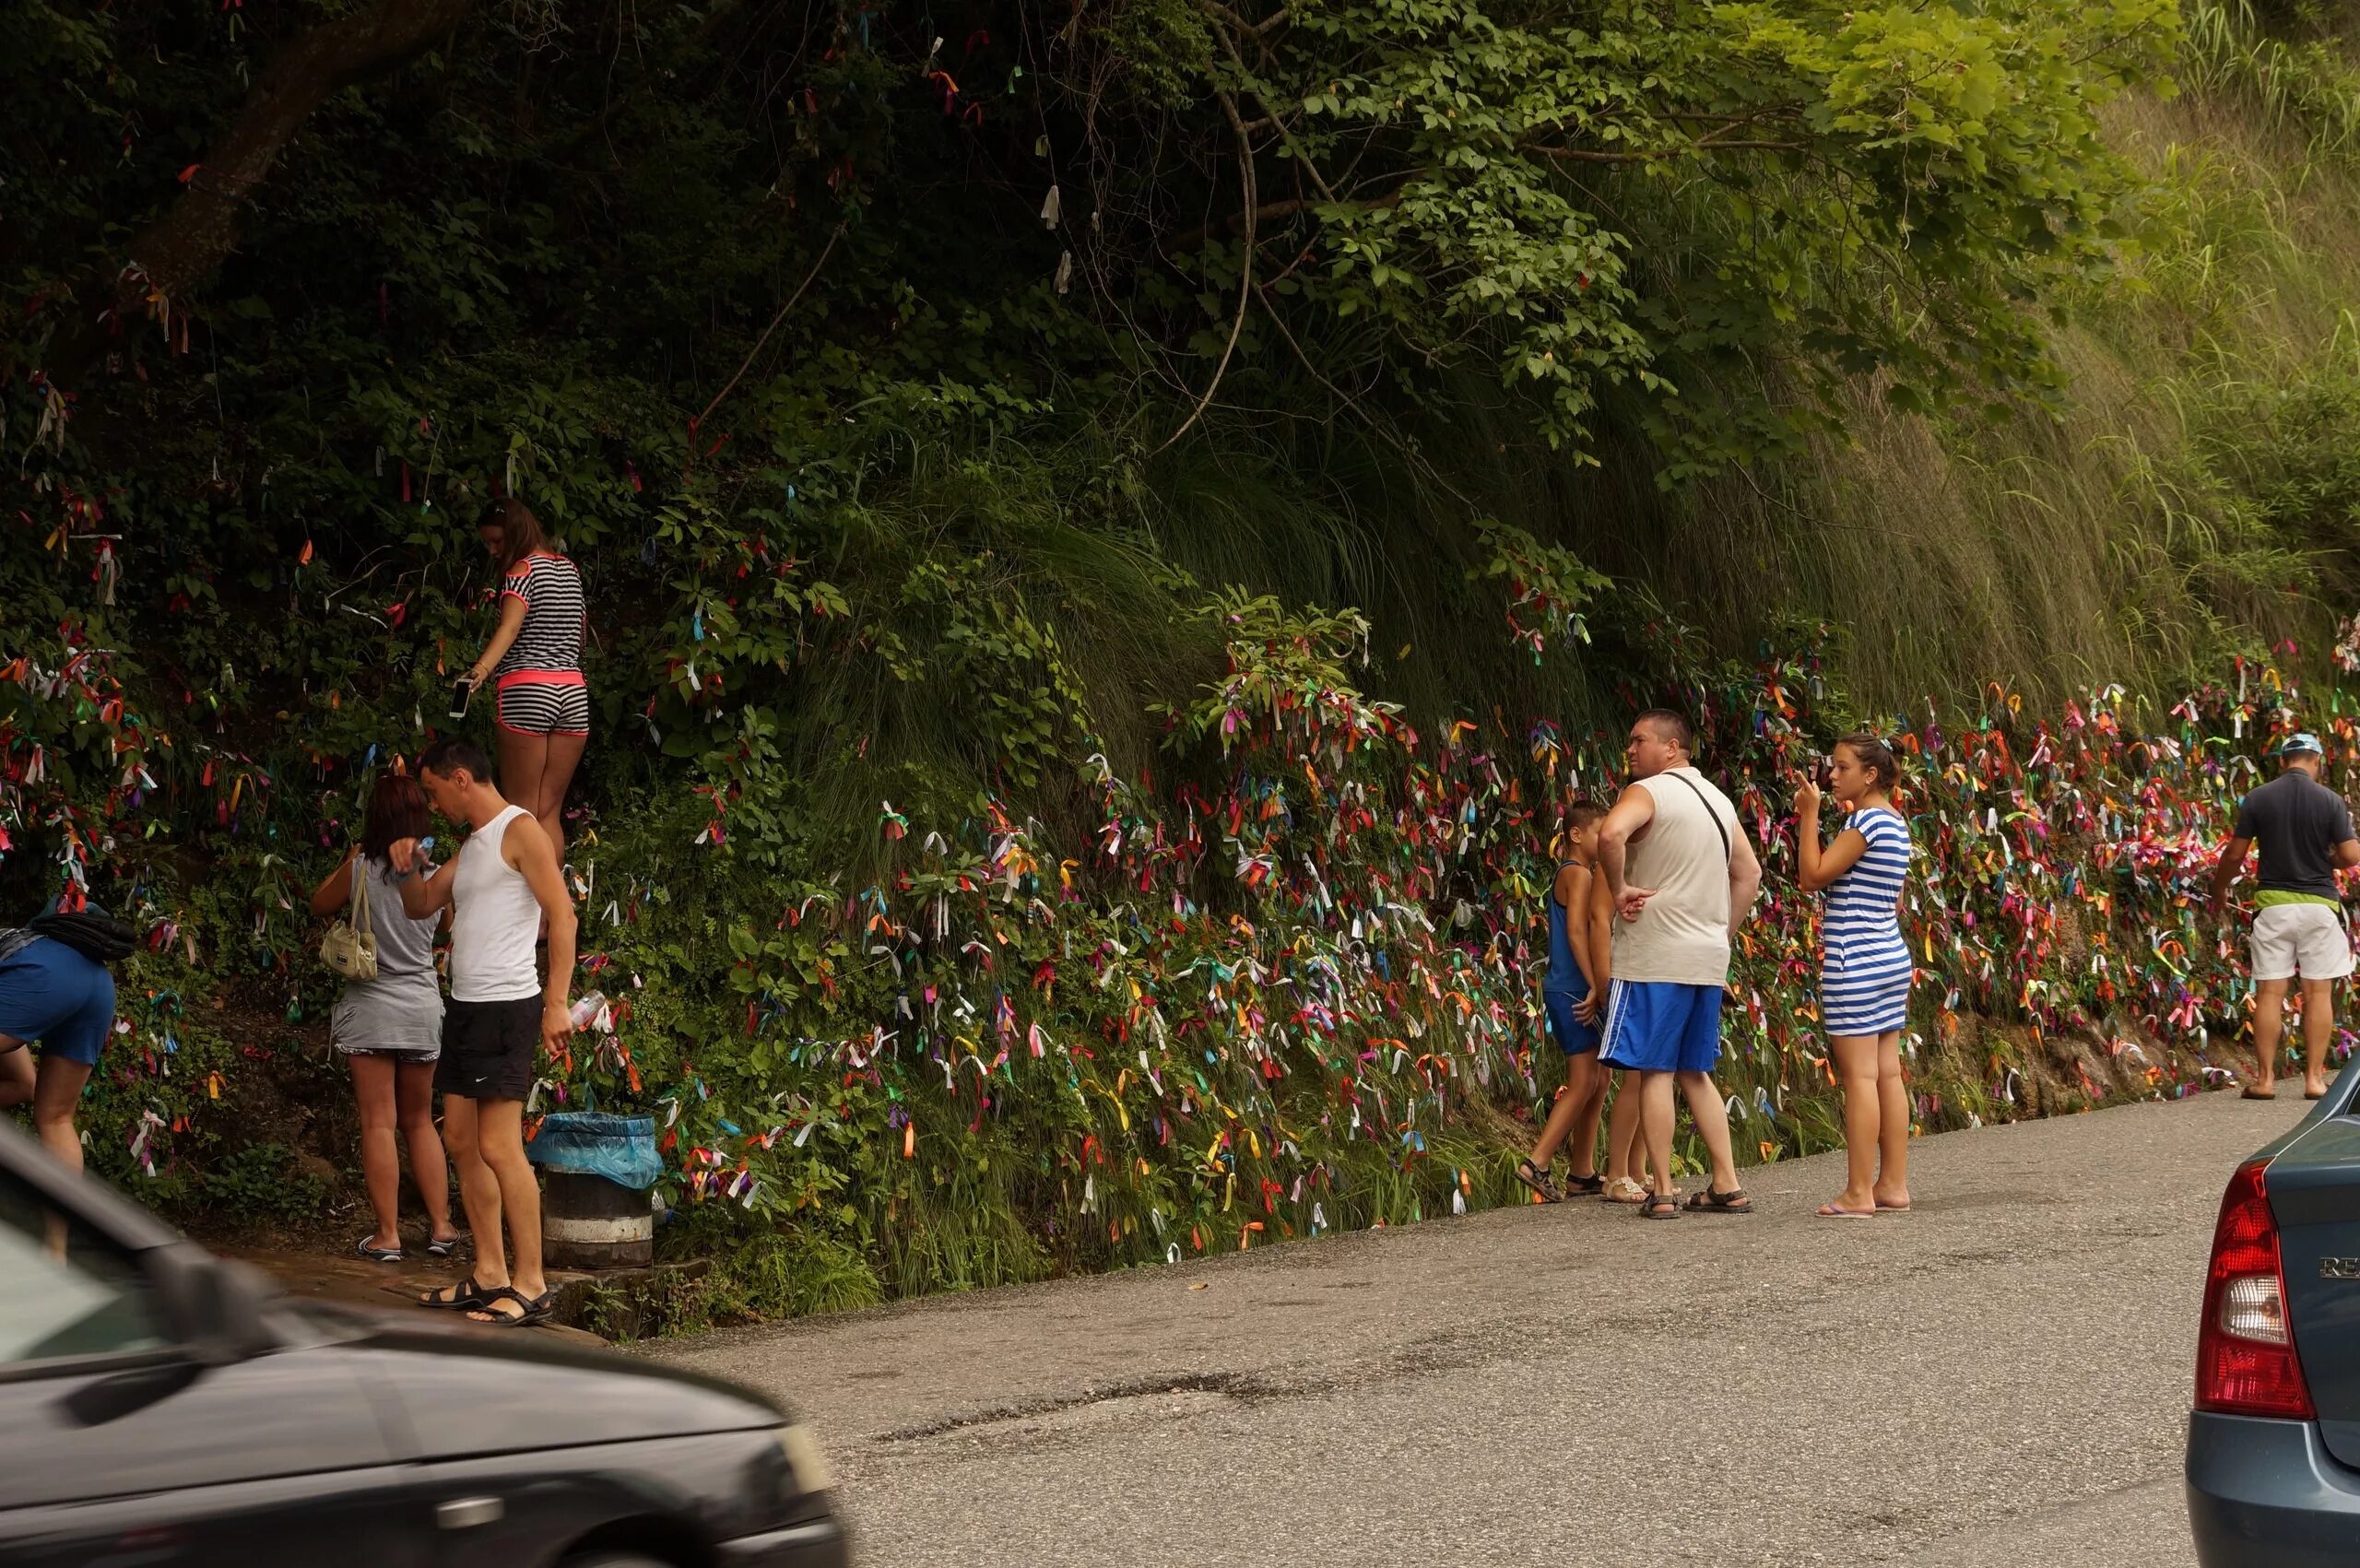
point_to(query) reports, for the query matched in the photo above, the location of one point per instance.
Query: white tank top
(1684, 933)
(495, 920)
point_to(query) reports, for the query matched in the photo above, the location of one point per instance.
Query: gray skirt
(399, 1014)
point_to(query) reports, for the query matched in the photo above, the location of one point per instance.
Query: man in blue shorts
(1683, 878)
(52, 994)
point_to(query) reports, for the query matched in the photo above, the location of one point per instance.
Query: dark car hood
(469, 1390)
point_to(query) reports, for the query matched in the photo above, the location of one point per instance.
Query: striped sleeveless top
(1862, 927)
(555, 613)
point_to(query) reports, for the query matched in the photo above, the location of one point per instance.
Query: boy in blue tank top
(1574, 994)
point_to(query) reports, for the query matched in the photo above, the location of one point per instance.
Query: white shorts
(2308, 940)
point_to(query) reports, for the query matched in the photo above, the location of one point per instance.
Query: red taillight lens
(2246, 1364)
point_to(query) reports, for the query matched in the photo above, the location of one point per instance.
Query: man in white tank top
(1683, 878)
(499, 888)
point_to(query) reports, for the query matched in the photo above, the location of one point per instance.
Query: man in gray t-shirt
(2304, 830)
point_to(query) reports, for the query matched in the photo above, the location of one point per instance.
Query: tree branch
(1260, 29)
(1585, 155)
(1244, 275)
(1270, 113)
(1270, 211)
(833, 235)
(199, 230)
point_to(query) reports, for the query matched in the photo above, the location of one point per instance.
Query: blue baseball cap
(2299, 742)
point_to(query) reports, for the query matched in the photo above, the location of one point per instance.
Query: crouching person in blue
(57, 993)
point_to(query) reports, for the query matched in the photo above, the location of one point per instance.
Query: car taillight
(2246, 1364)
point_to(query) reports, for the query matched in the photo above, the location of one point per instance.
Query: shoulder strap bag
(350, 945)
(1728, 853)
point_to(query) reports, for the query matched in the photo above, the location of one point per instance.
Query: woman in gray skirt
(390, 1028)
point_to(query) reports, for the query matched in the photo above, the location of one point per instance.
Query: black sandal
(1733, 1201)
(1658, 1206)
(1536, 1178)
(1585, 1186)
(534, 1310)
(461, 1298)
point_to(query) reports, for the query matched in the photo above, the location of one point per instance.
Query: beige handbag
(350, 945)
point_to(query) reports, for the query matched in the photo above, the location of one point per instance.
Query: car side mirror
(215, 1307)
(128, 1393)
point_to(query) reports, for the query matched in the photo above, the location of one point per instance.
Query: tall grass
(2300, 86)
(2141, 531)
(2142, 528)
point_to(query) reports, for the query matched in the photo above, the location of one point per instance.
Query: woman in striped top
(535, 662)
(1864, 967)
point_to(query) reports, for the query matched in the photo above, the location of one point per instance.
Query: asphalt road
(1997, 1378)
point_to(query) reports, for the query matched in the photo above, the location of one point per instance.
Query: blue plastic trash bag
(621, 1149)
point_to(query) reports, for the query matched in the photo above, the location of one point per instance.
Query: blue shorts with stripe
(1662, 1026)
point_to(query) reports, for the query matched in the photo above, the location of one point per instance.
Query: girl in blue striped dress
(1864, 967)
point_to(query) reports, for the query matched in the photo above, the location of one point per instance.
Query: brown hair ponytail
(520, 531)
(1876, 757)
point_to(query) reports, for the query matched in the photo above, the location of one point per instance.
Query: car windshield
(65, 1292)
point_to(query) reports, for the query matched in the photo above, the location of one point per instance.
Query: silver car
(2273, 1444)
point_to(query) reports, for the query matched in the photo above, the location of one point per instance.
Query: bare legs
(479, 1189)
(2269, 1027)
(397, 1103)
(2269, 1033)
(414, 1110)
(1876, 1122)
(496, 1182)
(51, 1089)
(1892, 1188)
(2319, 1023)
(1585, 1120)
(1712, 1119)
(1626, 1158)
(534, 772)
(1656, 1109)
(1856, 1074)
(381, 1161)
(1579, 1101)
(16, 1073)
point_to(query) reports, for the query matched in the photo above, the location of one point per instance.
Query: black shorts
(488, 1048)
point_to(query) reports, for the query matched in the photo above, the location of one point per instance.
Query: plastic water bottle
(590, 1009)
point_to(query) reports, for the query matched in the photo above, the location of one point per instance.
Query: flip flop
(1892, 1209)
(1536, 1178)
(377, 1254)
(1830, 1212)
(2253, 1093)
(2320, 1095)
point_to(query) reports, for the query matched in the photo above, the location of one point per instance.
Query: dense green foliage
(974, 425)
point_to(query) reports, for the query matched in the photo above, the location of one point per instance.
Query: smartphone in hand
(460, 691)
